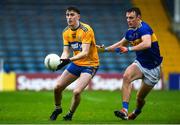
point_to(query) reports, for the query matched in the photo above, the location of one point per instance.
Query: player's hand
(63, 63)
(122, 49)
(100, 48)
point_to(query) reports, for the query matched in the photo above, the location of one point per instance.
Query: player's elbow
(146, 41)
(148, 45)
(85, 54)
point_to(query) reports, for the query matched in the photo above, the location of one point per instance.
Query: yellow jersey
(84, 34)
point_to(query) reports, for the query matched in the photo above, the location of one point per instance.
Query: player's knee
(76, 93)
(126, 78)
(58, 88)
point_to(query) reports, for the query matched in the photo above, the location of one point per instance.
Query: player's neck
(75, 27)
(139, 24)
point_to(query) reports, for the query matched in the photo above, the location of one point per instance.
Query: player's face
(132, 19)
(72, 18)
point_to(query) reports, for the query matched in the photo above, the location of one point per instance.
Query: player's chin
(70, 23)
(130, 25)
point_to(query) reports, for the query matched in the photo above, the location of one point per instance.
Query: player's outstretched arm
(122, 42)
(112, 48)
(145, 44)
(123, 49)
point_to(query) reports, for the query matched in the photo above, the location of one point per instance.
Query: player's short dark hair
(72, 8)
(136, 10)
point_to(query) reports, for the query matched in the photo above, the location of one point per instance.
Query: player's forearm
(65, 55)
(112, 47)
(79, 56)
(122, 42)
(141, 46)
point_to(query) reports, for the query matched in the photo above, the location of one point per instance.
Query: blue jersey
(148, 58)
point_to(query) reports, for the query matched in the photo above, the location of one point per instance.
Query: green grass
(96, 107)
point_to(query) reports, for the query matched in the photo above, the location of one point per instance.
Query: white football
(51, 61)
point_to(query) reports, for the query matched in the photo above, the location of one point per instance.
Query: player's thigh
(144, 90)
(65, 79)
(82, 82)
(133, 72)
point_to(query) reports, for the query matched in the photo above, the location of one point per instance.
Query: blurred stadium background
(31, 29)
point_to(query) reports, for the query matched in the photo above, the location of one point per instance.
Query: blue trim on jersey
(77, 70)
(148, 58)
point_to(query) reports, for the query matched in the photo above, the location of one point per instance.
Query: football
(52, 61)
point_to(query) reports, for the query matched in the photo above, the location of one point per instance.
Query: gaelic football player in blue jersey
(143, 41)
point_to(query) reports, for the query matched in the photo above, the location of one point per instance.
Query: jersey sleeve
(144, 31)
(65, 42)
(87, 38)
(128, 35)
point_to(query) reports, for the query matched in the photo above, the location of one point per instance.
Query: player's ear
(139, 17)
(79, 16)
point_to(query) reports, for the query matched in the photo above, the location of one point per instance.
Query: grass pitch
(96, 107)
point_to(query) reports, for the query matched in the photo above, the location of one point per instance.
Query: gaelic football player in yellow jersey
(79, 38)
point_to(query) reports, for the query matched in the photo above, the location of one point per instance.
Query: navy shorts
(77, 70)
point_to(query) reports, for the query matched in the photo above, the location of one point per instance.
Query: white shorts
(152, 76)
